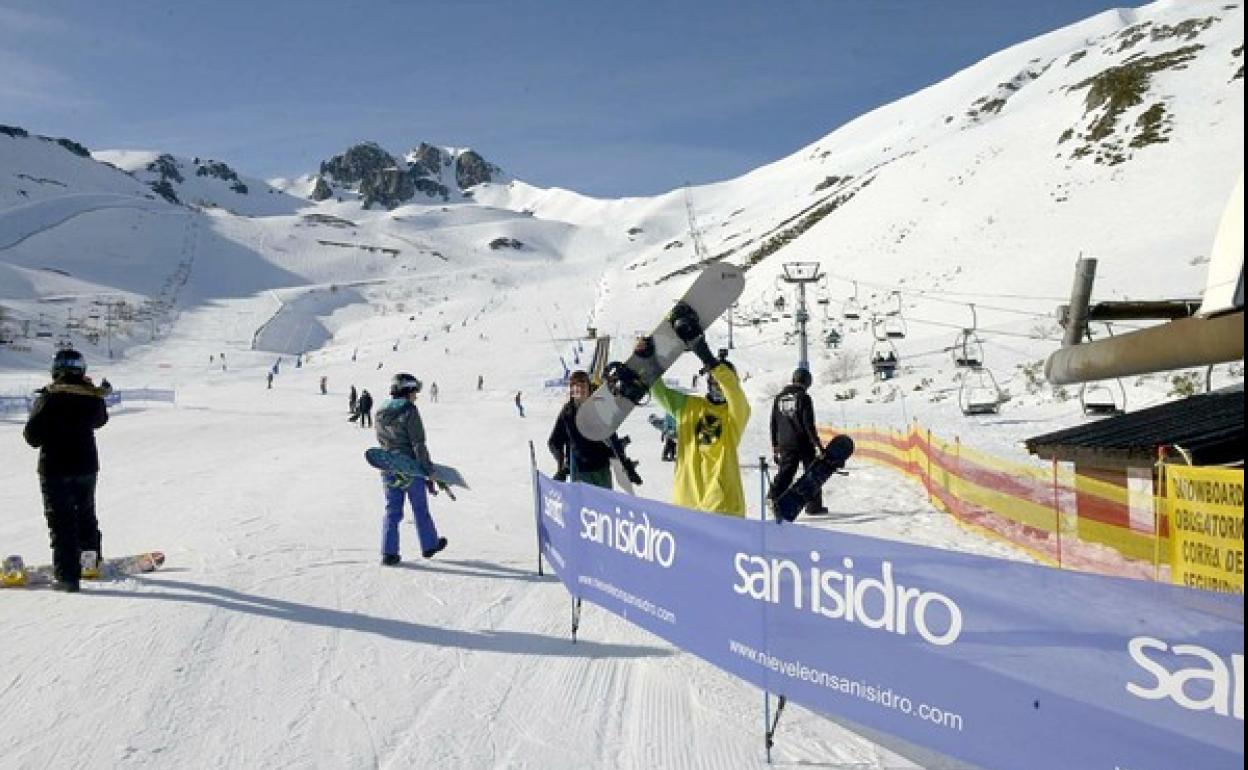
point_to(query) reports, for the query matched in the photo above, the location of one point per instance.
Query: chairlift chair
(895, 310)
(979, 393)
(968, 348)
(1097, 399)
(895, 328)
(852, 309)
(884, 359)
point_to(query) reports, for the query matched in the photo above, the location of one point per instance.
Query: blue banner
(1002, 664)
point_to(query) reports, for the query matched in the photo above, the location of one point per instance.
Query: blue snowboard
(403, 465)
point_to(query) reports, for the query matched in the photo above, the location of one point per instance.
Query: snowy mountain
(274, 640)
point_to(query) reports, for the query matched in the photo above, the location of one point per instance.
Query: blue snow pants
(426, 530)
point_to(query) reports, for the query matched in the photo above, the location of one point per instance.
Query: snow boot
(390, 560)
(431, 552)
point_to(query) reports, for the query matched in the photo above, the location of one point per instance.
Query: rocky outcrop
(358, 163)
(381, 179)
(471, 170)
(321, 190)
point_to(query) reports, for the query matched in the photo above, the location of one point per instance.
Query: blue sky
(627, 97)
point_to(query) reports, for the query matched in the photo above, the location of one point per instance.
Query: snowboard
(406, 467)
(626, 384)
(791, 502)
(16, 574)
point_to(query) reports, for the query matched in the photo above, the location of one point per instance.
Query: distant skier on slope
(577, 457)
(62, 426)
(400, 429)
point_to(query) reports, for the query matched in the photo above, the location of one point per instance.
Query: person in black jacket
(794, 439)
(364, 408)
(62, 426)
(578, 457)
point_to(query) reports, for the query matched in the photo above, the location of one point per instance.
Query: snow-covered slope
(274, 640)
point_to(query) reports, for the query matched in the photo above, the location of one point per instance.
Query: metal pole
(537, 507)
(802, 316)
(1080, 296)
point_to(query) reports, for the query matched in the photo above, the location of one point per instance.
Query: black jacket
(586, 455)
(793, 421)
(62, 426)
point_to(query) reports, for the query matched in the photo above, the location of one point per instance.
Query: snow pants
(69, 506)
(426, 530)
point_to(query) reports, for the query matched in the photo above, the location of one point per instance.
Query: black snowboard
(831, 460)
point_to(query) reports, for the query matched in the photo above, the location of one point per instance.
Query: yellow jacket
(708, 476)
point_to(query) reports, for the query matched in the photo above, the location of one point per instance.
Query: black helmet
(801, 376)
(68, 362)
(403, 384)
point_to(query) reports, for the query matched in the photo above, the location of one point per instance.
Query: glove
(431, 487)
(562, 473)
(630, 469)
(703, 352)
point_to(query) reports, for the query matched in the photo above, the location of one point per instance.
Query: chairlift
(895, 328)
(895, 310)
(1097, 399)
(884, 359)
(852, 309)
(968, 348)
(979, 393)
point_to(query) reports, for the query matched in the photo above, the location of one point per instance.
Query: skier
(324, 384)
(708, 431)
(794, 439)
(364, 408)
(270, 379)
(519, 405)
(480, 381)
(400, 429)
(62, 426)
(433, 392)
(351, 400)
(577, 457)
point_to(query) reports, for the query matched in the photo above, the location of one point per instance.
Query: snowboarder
(351, 400)
(580, 458)
(400, 429)
(480, 381)
(324, 385)
(519, 404)
(794, 439)
(433, 392)
(364, 408)
(62, 426)
(708, 431)
(270, 379)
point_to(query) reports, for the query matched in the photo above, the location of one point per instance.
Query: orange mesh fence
(1058, 517)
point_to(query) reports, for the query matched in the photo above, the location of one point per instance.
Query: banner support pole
(537, 508)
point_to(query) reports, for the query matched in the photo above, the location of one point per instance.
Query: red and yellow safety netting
(1062, 518)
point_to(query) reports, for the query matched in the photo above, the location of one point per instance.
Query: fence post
(1057, 515)
(1157, 510)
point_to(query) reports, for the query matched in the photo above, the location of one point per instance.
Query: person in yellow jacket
(708, 431)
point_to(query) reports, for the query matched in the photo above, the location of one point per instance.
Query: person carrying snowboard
(400, 430)
(794, 439)
(364, 408)
(708, 430)
(580, 458)
(62, 427)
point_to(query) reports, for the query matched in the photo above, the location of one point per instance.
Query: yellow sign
(1206, 510)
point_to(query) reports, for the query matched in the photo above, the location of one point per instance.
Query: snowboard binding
(624, 382)
(685, 322)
